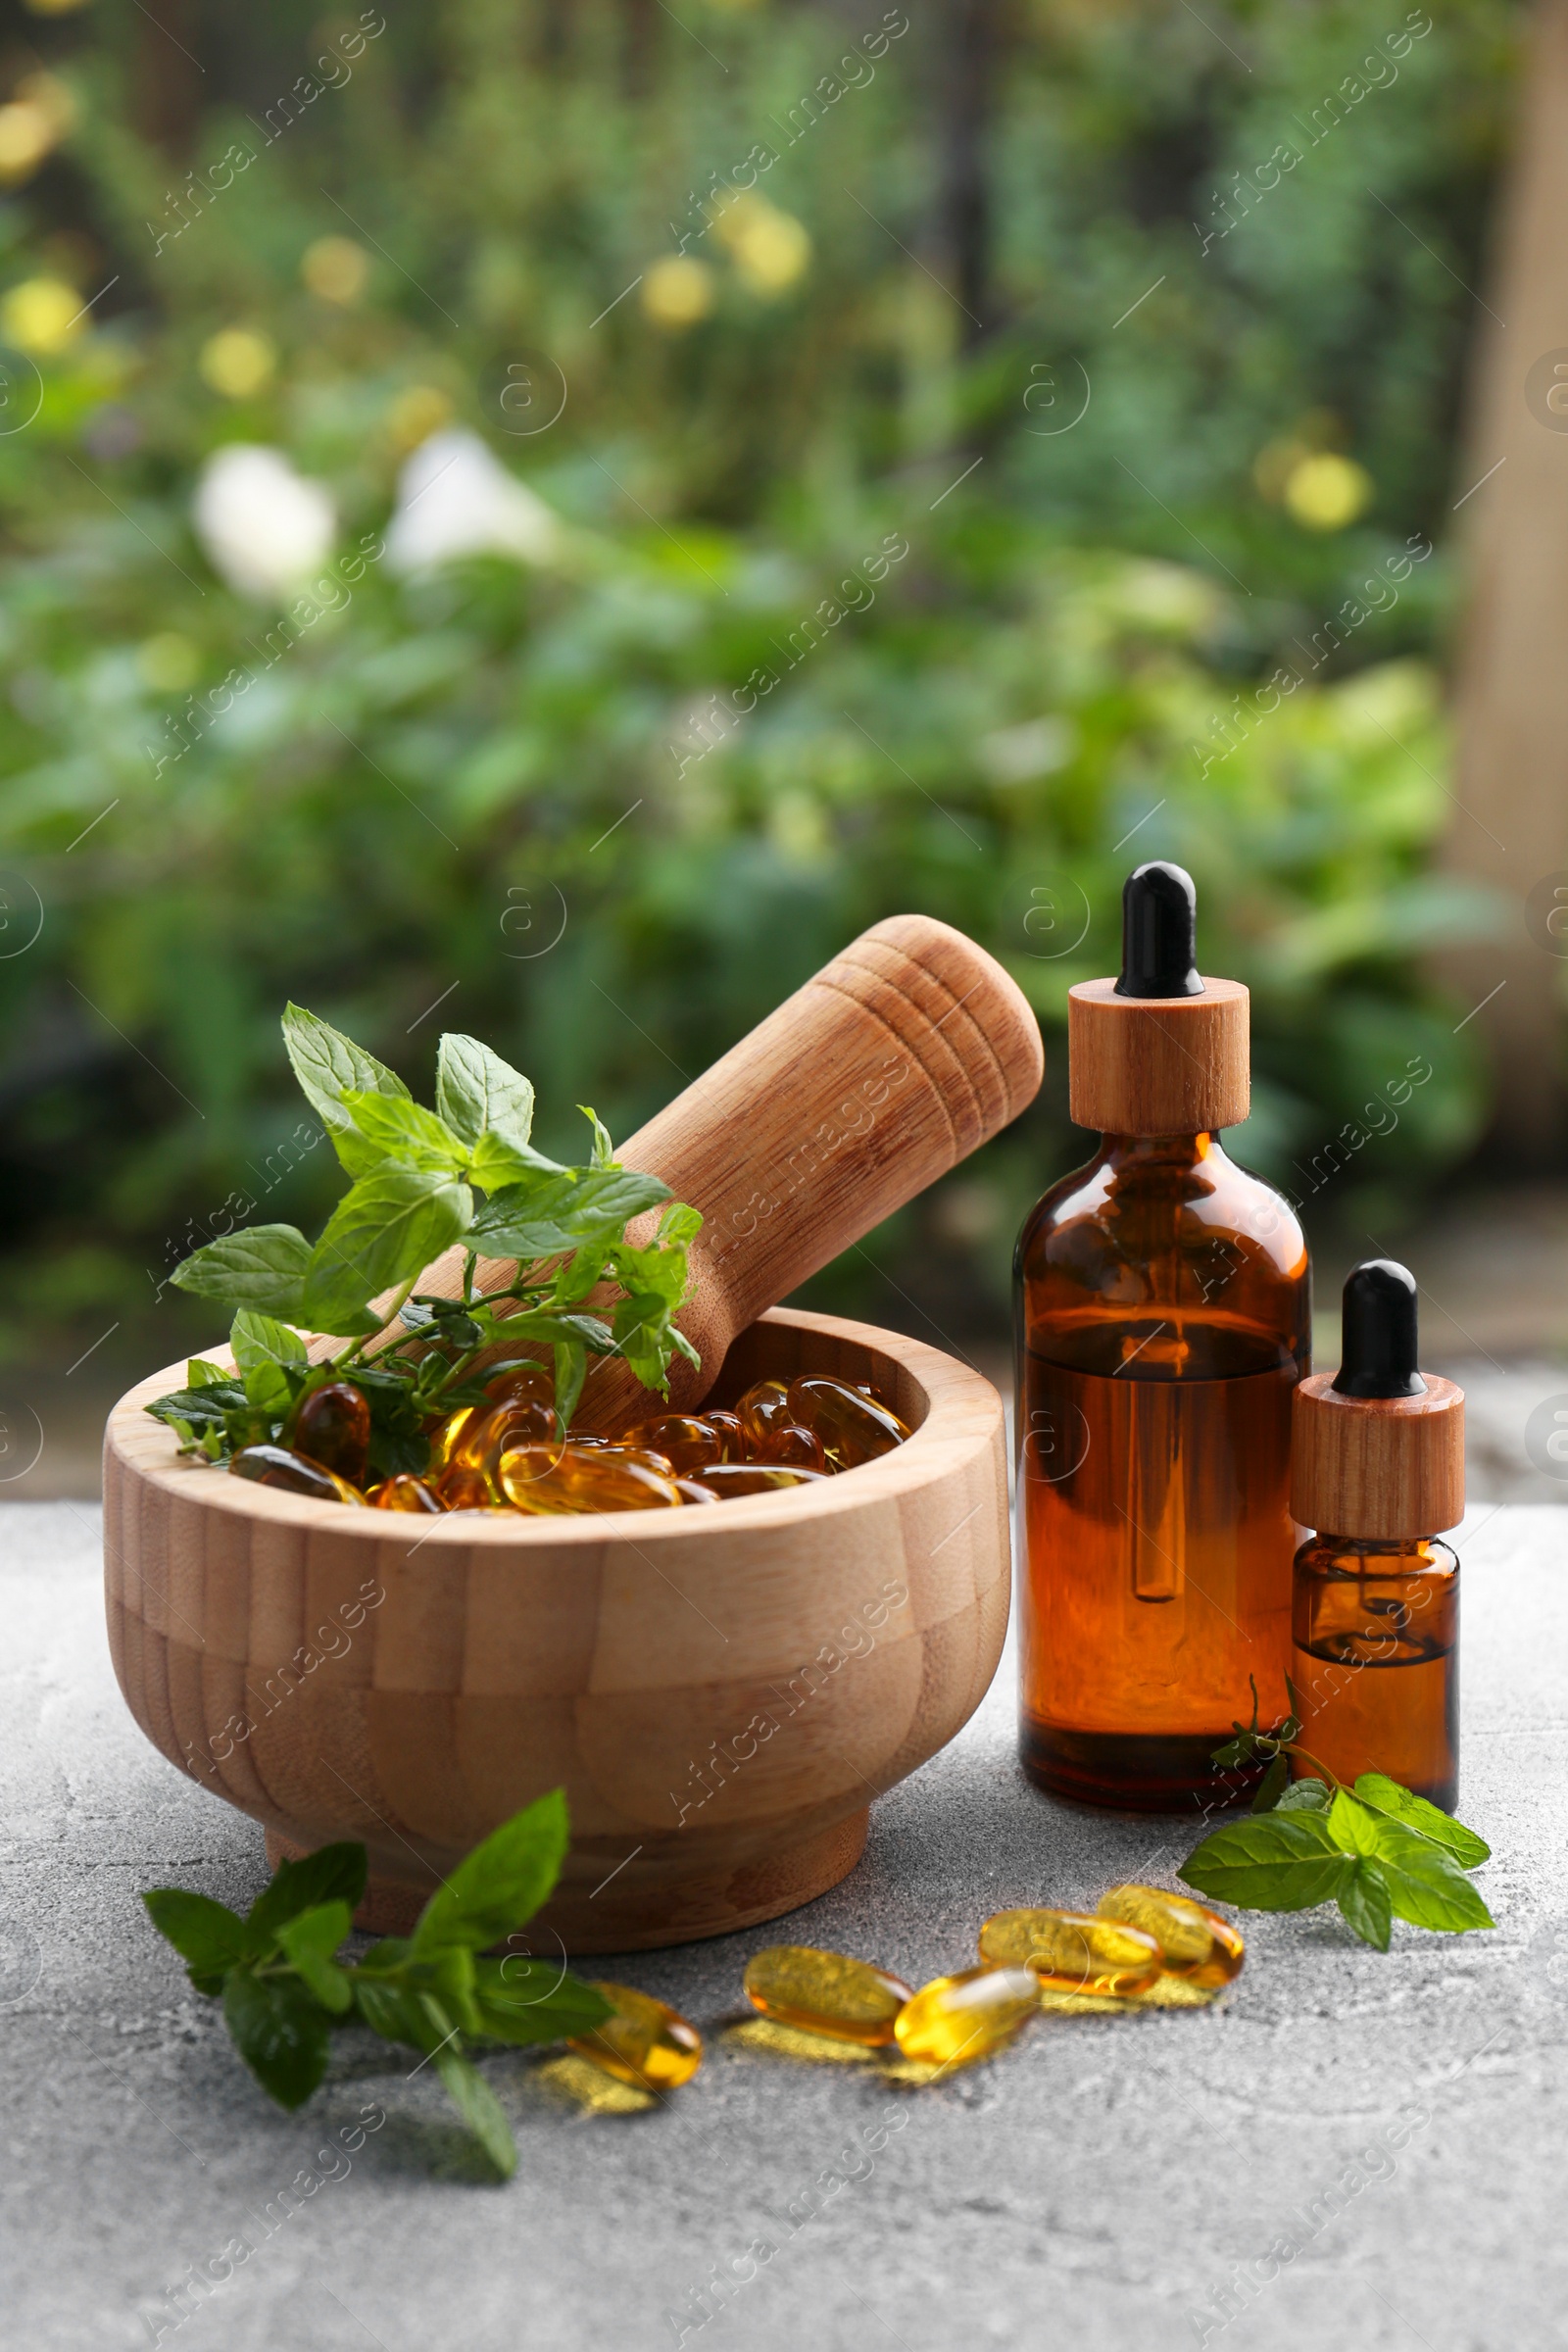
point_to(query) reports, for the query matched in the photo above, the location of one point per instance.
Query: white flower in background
(264, 528)
(455, 499)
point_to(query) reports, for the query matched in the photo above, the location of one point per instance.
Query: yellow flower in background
(26, 136)
(54, 8)
(335, 268)
(237, 362)
(417, 414)
(678, 291)
(1324, 493)
(771, 248)
(54, 99)
(42, 315)
(168, 662)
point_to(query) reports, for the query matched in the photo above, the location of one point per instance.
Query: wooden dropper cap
(1159, 1050)
(1377, 1450)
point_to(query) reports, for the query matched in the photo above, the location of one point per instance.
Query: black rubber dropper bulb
(1378, 1350)
(1159, 933)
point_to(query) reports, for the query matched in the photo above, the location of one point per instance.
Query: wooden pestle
(902, 1056)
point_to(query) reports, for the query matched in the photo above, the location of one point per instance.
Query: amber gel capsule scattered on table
(644, 2041)
(825, 1993)
(1071, 1953)
(1199, 1946)
(967, 2016)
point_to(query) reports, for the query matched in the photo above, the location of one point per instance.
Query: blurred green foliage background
(604, 355)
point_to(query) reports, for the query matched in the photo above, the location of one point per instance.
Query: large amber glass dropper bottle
(1163, 1318)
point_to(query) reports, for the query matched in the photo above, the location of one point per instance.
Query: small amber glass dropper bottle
(1163, 1318)
(1378, 1469)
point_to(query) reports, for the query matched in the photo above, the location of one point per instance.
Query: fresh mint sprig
(283, 1985)
(423, 1180)
(1378, 1850)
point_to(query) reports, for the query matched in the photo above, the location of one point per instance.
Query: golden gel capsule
(1071, 1953)
(1199, 1946)
(825, 1993)
(643, 2041)
(967, 2016)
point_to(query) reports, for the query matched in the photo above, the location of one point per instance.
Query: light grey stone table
(1348, 2149)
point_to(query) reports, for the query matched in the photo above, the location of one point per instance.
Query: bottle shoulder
(1331, 1556)
(1146, 1236)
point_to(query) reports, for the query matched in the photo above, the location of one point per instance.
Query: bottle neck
(1424, 1548)
(1159, 1150)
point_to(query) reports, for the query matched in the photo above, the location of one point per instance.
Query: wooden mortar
(410, 1683)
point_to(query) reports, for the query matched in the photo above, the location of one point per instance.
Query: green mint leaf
(209, 1937)
(387, 1227)
(267, 1390)
(392, 2011)
(1305, 1796)
(1273, 1862)
(1365, 1900)
(258, 1340)
(1272, 1785)
(200, 1374)
(445, 1319)
(501, 1884)
(475, 1091)
(1351, 1826)
(654, 1272)
(451, 1978)
(641, 1332)
(543, 1323)
(199, 1408)
(262, 1267)
(310, 1941)
(1401, 1804)
(478, 2106)
(332, 1873)
(604, 1148)
(572, 1370)
(1425, 1885)
(562, 1212)
(398, 1441)
(328, 1066)
(247, 1425)
(679, 1225)
(527, 2001)
(499, 1161)
(582, 1272)
(280, 2030)
(404, 1130)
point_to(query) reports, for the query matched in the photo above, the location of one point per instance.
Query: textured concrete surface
(1392, 2122)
